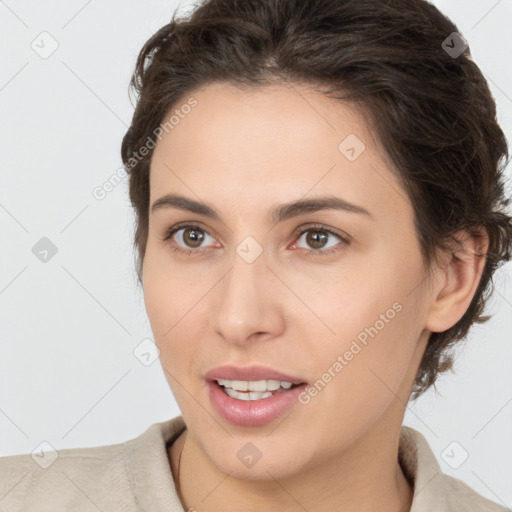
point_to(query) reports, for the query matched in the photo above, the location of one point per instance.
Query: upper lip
(250, 373)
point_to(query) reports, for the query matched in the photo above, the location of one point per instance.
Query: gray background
(68, 373)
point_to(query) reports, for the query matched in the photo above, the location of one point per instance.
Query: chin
(249, 457)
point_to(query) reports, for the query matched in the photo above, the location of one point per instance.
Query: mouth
(254, 389)
(252, 382)
(252, 396)
(253, 403)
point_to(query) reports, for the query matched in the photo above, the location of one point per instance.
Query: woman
(320, 209)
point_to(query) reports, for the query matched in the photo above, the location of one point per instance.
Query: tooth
(257, 385)
(256, 395)
(235, 394)
(272, 385)
(239, 385)
(253, 395)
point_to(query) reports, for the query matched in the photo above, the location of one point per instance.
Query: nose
(247, 303)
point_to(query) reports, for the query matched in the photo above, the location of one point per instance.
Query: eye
(188, 236)
(189, 239)
(317, 237)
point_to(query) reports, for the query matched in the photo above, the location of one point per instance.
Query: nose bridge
(245, 303)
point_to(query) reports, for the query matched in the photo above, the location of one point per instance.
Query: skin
(242, 152)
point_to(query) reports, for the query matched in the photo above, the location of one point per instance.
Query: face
(331, 297)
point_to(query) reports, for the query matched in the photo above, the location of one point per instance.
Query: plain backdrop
(70, 325)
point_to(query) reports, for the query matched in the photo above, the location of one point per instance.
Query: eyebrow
(277, 214)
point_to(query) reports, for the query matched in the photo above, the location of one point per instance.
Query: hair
(431, 111)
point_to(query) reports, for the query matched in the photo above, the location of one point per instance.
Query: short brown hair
(432, 110)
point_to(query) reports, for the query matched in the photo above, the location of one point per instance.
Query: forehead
(274, 144)
(253, 116)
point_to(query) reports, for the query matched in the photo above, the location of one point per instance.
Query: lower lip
(252, 413)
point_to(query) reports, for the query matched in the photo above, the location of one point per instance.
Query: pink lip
(252, 413)
(250, 373)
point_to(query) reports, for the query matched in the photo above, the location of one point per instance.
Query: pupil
(194, 235)
(316, 237)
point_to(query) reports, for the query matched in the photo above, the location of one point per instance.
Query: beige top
(136, 476)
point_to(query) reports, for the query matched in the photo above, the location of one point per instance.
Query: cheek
(166, 292)
(174, 336)
(371, 297)
(377, 322)
(175, 305)
(165, 302)
(361, 374)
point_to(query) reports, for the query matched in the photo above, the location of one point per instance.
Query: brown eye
(188, 238)
(320, 240)
(316, 239)
(193, 237)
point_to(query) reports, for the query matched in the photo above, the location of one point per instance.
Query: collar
(151, 479)
(423, 471)
(149, 469)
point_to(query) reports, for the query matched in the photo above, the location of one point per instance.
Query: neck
(366, 478)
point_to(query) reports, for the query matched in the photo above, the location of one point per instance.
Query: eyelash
(316, 252)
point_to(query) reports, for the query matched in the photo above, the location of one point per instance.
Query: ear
(457, 280)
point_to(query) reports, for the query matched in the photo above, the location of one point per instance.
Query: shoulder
(127, 476)
(433, 489)
(81, 478)
(462, 497)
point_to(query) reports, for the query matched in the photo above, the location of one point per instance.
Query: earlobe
(458, 280)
